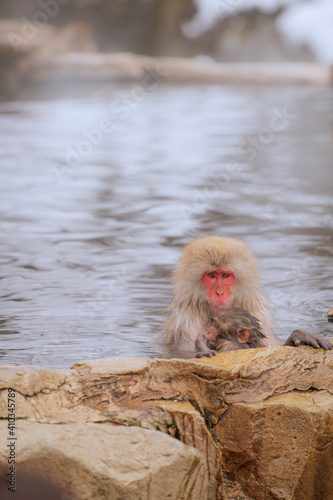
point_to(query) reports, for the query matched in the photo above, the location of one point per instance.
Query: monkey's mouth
(215, 306)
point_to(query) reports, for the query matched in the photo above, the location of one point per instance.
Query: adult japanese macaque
(216, 273)
(232, 329)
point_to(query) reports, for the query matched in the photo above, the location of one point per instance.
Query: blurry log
(127, 66)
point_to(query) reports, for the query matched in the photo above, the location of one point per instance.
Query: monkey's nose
(219, 293)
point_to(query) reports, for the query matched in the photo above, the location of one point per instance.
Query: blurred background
(227, 30)
(129, 128)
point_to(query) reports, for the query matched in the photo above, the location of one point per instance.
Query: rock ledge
(254, 424)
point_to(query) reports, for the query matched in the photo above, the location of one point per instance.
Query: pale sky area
(302, 22)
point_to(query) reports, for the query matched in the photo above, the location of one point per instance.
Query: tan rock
(184, 422)
(279, 447)
(261, 418)
(330, 313)
(30, 379)
(114, 366)
(107, 462)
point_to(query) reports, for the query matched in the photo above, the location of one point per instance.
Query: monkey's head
(219, 271)
(237, 326)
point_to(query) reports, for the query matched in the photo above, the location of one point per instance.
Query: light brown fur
(189, 310)
(230, 321)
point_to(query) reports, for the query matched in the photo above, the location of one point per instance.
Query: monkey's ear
(243, 334)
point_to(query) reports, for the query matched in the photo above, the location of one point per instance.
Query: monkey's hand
(208, 354)
(305, 338)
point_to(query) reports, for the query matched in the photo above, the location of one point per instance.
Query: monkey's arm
(303, 337)
(202, 347)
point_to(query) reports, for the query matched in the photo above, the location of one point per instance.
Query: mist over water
(88, 238)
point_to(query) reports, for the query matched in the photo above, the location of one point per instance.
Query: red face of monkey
(218, 285)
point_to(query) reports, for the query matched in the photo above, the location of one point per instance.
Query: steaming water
(88, 241)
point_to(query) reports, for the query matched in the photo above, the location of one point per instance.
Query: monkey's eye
(211, 275)
(225, 275)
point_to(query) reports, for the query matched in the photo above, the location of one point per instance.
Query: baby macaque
(232, 329)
